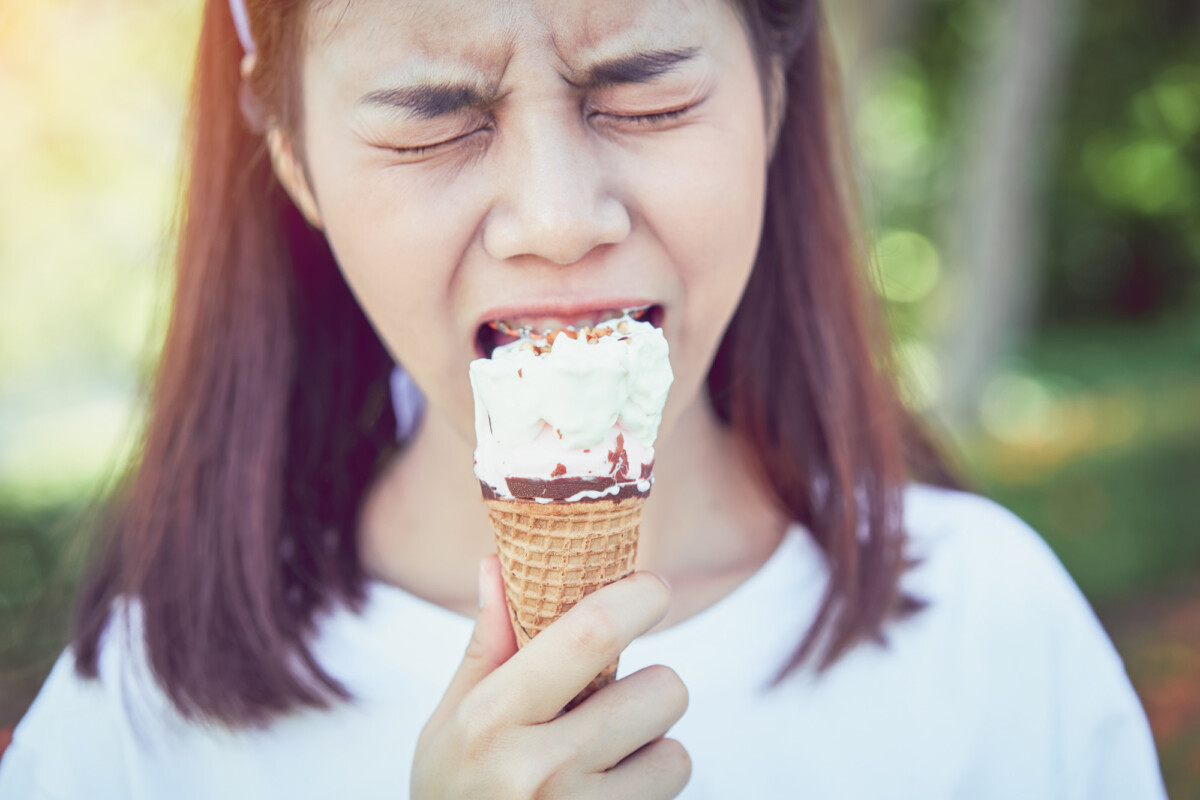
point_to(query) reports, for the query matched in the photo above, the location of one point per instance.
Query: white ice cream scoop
(572, 405)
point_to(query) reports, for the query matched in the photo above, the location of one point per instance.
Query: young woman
(294, 571)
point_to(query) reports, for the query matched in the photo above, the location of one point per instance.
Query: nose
(554, 200)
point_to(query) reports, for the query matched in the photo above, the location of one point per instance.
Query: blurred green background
(1030, 174)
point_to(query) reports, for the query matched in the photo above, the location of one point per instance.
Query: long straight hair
(270, 415)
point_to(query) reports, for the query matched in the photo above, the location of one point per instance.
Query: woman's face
(536, 162)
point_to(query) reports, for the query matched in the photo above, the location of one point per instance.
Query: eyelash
(426, 149)
(652, 119)
(637, 119)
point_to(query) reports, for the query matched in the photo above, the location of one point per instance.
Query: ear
(776, 100)
(291, 175)
(288, 169)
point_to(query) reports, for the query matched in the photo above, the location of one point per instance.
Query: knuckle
(480, 735)
(475, 649)
(540, 778)
(596, 632)
(551, 785)
(560, 752)
(479, 652)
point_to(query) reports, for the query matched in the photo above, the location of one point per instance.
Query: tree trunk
(993, 231)
(866, 29)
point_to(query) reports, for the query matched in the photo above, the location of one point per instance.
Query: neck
(707, 522)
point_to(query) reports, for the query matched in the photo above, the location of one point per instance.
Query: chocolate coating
(562, 488)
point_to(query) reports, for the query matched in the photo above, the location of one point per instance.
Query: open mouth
(499, 332)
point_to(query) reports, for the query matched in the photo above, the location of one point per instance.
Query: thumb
(492, 643)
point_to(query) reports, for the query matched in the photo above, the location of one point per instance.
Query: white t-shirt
(1005, 687)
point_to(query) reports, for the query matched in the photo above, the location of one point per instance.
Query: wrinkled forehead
(488, 33)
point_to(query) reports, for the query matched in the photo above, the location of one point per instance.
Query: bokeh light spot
(1177, 95)
(920, 373)
(894, 125)
(908, 265)
(1017, 408)
(1146, 175)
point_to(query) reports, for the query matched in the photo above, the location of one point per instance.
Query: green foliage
(1105, 461)
(1119, 522)
(39, 566)
(1124, 242)
(1123, 158)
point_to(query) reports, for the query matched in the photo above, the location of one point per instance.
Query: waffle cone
(554, 554)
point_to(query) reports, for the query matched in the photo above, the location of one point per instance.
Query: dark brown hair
(270, 411)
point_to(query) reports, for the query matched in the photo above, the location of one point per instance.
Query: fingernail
(483, 584)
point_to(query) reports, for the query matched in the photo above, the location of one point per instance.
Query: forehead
(487, 33)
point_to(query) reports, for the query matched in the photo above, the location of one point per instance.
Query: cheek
(382, 229)
(398, 241)
(383, 236)
(710, 219)
(705, 205)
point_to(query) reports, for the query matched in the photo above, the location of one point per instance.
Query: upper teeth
(525, 326)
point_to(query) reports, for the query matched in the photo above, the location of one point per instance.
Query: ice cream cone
(565, 423)
(554, 554)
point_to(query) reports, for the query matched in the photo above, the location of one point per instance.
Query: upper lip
(559, 309)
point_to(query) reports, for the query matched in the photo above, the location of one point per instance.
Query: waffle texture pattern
(553, 555)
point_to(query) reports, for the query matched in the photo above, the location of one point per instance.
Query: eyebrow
(430, 101)
(634, 68)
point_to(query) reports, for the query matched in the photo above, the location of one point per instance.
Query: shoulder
(981, 567)
(76, 737)
(969, 547)
(1012, 627)
(965, 522)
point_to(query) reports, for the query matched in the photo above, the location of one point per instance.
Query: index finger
(537, 682)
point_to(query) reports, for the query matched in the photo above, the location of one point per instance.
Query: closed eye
(411, 153)
(640, 120)
(657, 117)
(646, 120)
